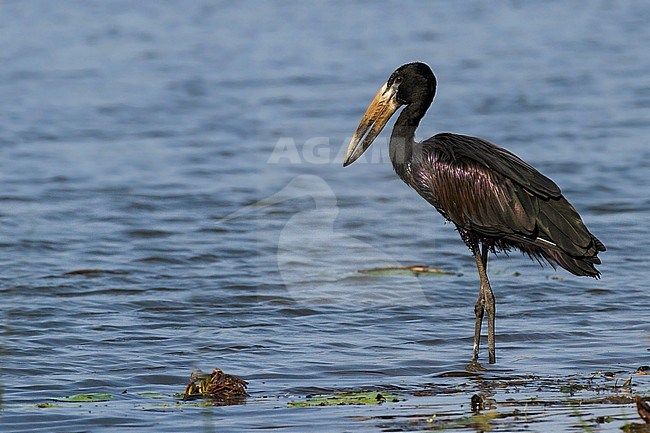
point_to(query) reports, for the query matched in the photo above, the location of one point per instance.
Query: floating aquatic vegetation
(643, 407)
(478, 403)
(218, 386)
(153, 395)
(362, 398)
(48, 405)
(402, 270)
(478, 421)
(85, 398)
(603, 400)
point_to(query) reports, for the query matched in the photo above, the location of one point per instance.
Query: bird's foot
(474, 366)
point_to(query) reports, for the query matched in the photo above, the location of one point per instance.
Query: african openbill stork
(496, 200)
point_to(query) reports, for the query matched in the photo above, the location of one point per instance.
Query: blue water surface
(172, 197)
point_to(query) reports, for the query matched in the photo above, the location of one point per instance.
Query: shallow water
(190, 152)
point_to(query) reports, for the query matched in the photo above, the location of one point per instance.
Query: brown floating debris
(416, 269)
(644, 369)
(218, 386)
(478, 403)
(643, 407)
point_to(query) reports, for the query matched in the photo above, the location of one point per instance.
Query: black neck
(402, 140)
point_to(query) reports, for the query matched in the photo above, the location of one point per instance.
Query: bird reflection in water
(320, 265)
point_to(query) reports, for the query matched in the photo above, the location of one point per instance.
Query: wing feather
(497, 159)
(492, 194)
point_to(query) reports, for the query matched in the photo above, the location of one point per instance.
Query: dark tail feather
(581, 266)
(542, 250)
(565, 241)
(559, 223)
(599, 245)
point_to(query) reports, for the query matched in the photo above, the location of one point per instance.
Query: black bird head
(413, 83)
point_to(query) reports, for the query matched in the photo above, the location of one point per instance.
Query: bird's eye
(397, 80)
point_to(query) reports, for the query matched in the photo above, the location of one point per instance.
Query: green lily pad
(85, 398)
(346, 398)
(154, 395)
(47, 405)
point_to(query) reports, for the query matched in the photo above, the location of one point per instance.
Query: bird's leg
(485, 303)
(479, 309)
(490, 305)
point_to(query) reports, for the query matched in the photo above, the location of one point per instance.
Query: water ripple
(145, 230)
